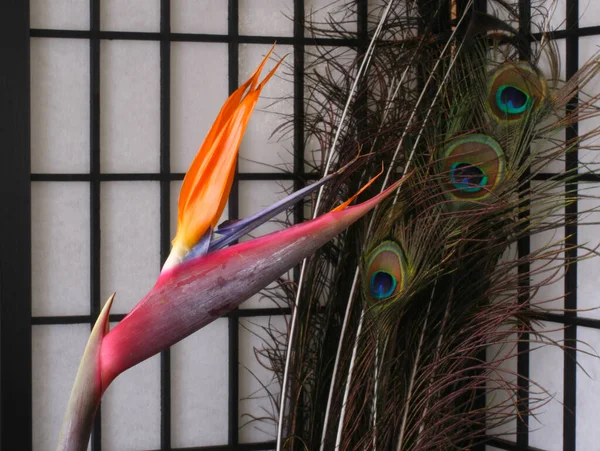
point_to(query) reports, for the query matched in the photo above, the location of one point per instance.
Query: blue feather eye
(386, 271)
(467, 177)
(472, 167)
(382, 284)
(514, 91)
(512, 100)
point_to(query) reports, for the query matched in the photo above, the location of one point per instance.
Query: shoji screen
(122, 94)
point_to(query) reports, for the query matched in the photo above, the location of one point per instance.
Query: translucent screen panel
(499, 397)
(315, 101)
(199, 393)
(588, 238)
(549, 15)
(132, 15)
(60, 248)
(131, 409)
(59, 14)
(589, 154)
(129, 106)
(327, 15)
(589, 11)
(266, 17)
(546, 393)
(260, 151)
(588, 389)
(547, 270)
(193, 16)
(199, 87)
(130, 254)
(253, 197)
(259, 389)
(56, 351)
(60, 130)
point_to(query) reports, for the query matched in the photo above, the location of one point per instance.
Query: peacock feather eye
(472, 166)
(514, 90)
(386, 271)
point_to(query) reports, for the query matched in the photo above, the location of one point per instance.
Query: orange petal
(345, 204)
(207, 184)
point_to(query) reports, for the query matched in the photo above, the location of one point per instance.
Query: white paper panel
(546, 372)
(548, 270)
(193, 16)
(498, 395)
(131, 15)
(60, 248)
(266, 17)
(587, 235)
(588, 389)
(59, 14)
(56, 351)
(130, 106)
(60, 105)
(552, 142)
(316, 66)
(131, 409)
(199, 393)
(259, 151)
(548, 15)
(588, 46)
(589, 13)
(130, 252)
(324, 13)
(199, 83)
(253, 197)
(258, 388)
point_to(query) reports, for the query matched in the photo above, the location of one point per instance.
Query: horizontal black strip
(570, 32)
(572, 320)
(509, 446)
(86, 319)
(221, 38)
(583, 177)
(155, 176)
(251, 176)
(188, 37)
(238, 447)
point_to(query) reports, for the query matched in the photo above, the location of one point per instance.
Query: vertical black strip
(95, 189)
(233, 69)
(524, 248)
(570, 353)
(15, 228)
(298, 111)
(165, 205)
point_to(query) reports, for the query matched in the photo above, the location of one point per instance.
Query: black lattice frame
(15, 227)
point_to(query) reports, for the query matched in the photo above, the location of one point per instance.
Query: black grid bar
(250, 176)
(156, 176)
(15, 228)
(165, 205)
(244, 39)
(95, 252)
(15, 318)
(258, 446)
(116, 317)
(189, 37)
(233, 323)
(524, 248)
(570, 353)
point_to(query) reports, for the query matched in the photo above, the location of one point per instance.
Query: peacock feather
(401, 325)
